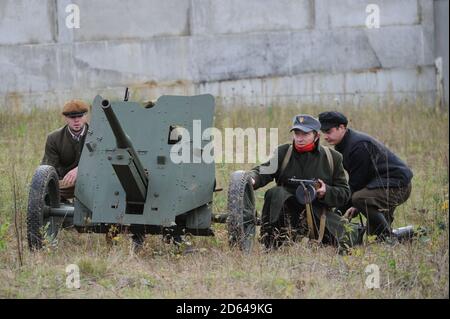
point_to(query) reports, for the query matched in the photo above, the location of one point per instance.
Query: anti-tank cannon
(130, 177)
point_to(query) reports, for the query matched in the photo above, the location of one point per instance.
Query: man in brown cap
(64, 145)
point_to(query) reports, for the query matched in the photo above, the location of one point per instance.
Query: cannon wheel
(241, 221)
(44, 194)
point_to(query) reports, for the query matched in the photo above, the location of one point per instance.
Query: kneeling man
(379, 180)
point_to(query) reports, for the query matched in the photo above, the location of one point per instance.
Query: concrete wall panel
(133, 19)
(26, 21)
(236, 16)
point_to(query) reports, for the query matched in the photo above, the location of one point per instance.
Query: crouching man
(283, 215)
(379, 180)
(64, 145)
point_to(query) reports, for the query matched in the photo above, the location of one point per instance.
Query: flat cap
(75, 108)
(332, 119)
(305, 123)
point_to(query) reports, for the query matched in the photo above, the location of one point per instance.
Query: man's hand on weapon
(70, 178)
(322, 189)
(350, 213)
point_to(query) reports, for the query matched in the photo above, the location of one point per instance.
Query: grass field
(419, 269)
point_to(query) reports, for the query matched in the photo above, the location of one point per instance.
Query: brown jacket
(62, 151)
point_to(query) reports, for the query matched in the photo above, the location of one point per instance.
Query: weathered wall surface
(254, 52)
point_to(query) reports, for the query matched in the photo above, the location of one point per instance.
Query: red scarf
(305, 148)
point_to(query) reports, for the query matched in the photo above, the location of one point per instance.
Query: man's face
(76, 123)
(301, 138)
(334, 135)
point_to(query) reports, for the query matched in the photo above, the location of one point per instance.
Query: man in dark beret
(379, 180)
(64, 145)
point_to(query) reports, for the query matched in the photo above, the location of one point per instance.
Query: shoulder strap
(330, 159)
(323, 215)
(286, 159)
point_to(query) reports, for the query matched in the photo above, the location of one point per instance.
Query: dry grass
(418, 270)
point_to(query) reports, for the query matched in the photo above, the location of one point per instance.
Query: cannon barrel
(122, 140)
(133, 179)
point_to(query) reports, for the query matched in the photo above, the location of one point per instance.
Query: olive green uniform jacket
(62, 151)
(310, 165)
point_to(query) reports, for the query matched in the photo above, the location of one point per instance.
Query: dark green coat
(62, 151)
(310, 165)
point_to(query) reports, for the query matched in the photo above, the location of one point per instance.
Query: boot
(378, 225)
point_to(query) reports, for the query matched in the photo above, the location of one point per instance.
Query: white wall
(245, 52)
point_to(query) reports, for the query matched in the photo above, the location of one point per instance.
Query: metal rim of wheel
(241, 221)
(44, 194)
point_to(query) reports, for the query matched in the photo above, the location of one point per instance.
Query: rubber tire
(44, 193)
(241, 220)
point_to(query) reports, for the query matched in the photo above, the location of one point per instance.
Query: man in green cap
(64, 145)
(284, 213)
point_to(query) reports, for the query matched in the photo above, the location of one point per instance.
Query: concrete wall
(253, 52)
(27, 22)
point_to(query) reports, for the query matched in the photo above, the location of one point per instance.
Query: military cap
(332, 119)
(75, 108)
(305, 123)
